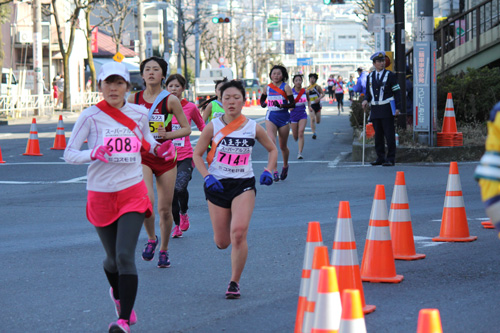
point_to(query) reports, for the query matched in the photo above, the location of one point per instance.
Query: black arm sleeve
(291, 103)
(263, 98)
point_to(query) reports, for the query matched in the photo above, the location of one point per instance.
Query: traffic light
(333, 2)
(170, 29)
(219, 19)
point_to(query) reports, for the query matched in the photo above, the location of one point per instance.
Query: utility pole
(140, 28)
(179, 36)
(254, 42)
(37, 53)
(197, 38)
(231, 44)
(166, 55)
(400, 58)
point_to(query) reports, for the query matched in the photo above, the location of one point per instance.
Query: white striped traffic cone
(352, 320)
(345, 256)
(314, 239)
(403, 244)
(320, 260)
(454, 226)
(328, 308)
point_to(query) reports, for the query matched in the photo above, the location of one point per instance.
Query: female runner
(117, 200)
(298, 116)
(229, 180)
(316, 93)
(280, 99)
(154, 72)
(214, 107)
(339, 93)
(176, 84)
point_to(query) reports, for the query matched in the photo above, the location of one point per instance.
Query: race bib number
(125, 146)
(154, 123)
(233, 159)
(179, 142)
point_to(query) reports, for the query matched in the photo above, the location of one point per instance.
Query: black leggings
(340, 100)
(181, 194)
(119, 240)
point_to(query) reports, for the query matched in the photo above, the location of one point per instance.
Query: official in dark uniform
(384, 96)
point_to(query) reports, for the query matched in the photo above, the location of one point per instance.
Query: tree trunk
(89, 51)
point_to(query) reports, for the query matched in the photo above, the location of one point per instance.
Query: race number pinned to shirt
(125, 146)
(179, 142)
(154, 123)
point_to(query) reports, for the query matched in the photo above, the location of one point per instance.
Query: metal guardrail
(31, 105)
(462, 28)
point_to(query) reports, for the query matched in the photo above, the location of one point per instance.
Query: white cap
(113, 68)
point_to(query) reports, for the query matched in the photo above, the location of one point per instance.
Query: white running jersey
(233, 156)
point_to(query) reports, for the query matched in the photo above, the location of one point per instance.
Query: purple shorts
(296, 116)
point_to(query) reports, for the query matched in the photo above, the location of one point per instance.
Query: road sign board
(118, 57)
(375, 22)
(304, 61)
(289, 46)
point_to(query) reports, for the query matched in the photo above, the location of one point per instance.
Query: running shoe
(176, 233)
(233, 290)
(119, 326)
(284, 173)
(276, 176)
(314, 136)
(163, 261)
(116, 302)
(184, 222)
(149, 250)
(300, 157)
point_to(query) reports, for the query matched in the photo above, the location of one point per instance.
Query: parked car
(252, 85)
(9, 83)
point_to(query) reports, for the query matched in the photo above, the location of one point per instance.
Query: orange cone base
(453, 239)
(415, 256)
(369, 309)
(53, 148)
(394, 279)
(485, 224)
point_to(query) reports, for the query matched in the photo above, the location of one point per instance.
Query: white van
(9, 84)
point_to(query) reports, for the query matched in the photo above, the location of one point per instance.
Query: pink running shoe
(133, 316)
(184, 222)
(119, 326)
(176, 233)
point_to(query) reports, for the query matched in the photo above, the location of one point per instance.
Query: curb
(422, 154)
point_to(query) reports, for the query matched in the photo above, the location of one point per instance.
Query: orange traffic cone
(449, 121)
(247, 101)
(328, 309)
(378, 261)
(345, 257)
(485, 224)
(429, 321)
(352, 320)
(320, 259)
(454, 227)
(33, 147)
(1, 159)
(449, 136)
(60, 140)
(254, 99)
(314, 239)
(403, 244)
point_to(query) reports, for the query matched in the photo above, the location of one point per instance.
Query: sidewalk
(44, 119)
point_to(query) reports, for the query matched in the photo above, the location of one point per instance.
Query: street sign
(304, 61)
(375, 22)
(118, 57)
(221, 60)
(424, 86)
(289, 46)
(149, 44)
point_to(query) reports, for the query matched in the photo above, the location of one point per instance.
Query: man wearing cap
(360, 86)
(384, 96)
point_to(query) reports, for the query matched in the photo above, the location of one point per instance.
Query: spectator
(360, 86)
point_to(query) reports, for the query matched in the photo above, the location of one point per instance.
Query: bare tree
(66, 49)
(88, 35)
(113, 14)
(4, 18)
